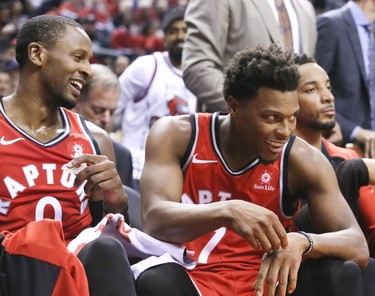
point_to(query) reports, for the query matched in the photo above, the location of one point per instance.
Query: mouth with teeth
(275, 146)
(76, 87)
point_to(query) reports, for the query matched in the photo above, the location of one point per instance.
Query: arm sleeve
(135, 80)
(202, 61)
(351, 175)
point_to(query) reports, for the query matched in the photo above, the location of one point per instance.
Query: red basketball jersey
(208, 179)
(33, 185)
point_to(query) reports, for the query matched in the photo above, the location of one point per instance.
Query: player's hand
(102, 180)
(279, 269)
(367, 140)
(258, 225)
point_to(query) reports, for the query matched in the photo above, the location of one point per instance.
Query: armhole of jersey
(88, 133)
(335, 160)
(192, 142)
(139, 98)
(287, 204)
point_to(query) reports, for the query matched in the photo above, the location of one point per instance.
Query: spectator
(124, 37)
(97, 104)
(5, 84)
(211, 43)
(152, 87)
(119, 64)
(343, 41)
(226, 186)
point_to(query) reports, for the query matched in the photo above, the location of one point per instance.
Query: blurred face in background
(6, 84)
(174, 39)
(100, 106)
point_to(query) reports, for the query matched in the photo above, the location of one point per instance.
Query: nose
(327, 96)
(86, 70)
(285, 129)
(181, 35)
(106, 117)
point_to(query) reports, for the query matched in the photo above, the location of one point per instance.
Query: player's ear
(233, 105)
(36, 53)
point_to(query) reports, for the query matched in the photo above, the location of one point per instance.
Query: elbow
(361, 253)
(153, 226)
(362, 257)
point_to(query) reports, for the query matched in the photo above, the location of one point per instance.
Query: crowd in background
(121, 30)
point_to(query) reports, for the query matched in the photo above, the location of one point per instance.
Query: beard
(66, 102)
(175, 54)
(323, 125)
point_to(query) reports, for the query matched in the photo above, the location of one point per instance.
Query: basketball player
(54, 163)
(317, 115)
(227, 186)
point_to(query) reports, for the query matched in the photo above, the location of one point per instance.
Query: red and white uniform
(232, 262)
(151, 87)
(366, 202)
(33, 185)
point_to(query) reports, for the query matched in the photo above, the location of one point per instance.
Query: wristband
(311, 242)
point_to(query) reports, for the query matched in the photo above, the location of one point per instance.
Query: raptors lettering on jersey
(32, 188)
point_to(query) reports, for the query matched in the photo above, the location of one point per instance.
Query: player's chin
(269, 158)
(69, 103)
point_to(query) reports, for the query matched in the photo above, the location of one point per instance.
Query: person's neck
(311, 136)
(177, 63)
(235, 151)
(35, 118)
(368, 8)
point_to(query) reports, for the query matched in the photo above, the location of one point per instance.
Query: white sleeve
(135, 80)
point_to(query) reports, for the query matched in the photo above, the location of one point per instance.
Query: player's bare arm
(341, 236)
(161, 185)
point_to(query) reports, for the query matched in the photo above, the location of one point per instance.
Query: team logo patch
(77, 150)
(264, 182)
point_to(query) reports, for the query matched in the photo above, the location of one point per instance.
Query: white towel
(136, 243)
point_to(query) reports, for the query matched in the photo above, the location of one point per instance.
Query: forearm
(180, 223)
(370, 164)
(204, 50)
(348, 244)
(206, 84)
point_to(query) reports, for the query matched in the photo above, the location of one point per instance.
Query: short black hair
(303, 58)
(43, 29)
(251, 69)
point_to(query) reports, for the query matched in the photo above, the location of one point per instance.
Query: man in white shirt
(153, 87)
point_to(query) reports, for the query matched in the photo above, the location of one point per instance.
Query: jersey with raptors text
(208, 179)
(33, 183)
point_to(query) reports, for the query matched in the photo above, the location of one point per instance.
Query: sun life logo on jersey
(77, 149)
(264, 182)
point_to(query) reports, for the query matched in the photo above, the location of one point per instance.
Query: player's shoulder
(302, 152)
(172, 124)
